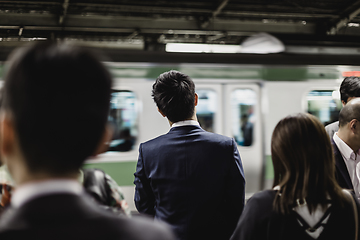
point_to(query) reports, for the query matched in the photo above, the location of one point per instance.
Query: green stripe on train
(274, 73)
(230, 71)
(269, 168)
(121, 172)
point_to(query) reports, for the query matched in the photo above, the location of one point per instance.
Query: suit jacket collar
(341, 169)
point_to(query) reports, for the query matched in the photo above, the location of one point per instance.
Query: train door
(234, 110)
(209, 110)
(243, 122)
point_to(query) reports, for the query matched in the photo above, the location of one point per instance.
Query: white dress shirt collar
(185, 123)
(344, 149)
(29, 191)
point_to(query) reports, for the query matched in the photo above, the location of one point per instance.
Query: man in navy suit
(189, 178)
(55, 106)
(346, 145)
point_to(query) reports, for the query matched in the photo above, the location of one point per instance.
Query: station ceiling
(328, 27)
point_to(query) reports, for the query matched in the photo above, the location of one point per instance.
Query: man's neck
(343, 135)
(28, 176)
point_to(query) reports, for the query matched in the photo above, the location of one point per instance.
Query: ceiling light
(202, 48)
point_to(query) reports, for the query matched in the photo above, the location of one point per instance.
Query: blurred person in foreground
(100, 186)
(349, 89)
(306, 201)
(189, 178)
(54, 111)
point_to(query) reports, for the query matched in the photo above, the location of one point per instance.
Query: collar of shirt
(29, 191)
(185, 123)
(344, 149)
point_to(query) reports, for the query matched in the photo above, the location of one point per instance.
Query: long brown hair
(304, 164)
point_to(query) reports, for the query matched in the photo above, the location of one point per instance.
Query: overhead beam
(109, 23)
(349, 14)
(215, 13)
(65, 6)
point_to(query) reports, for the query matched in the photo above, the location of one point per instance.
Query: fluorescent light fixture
(202, 48)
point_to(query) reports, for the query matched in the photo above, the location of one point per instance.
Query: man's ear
(354, 124)
(196, 99)
(162, 114)
(7, 135)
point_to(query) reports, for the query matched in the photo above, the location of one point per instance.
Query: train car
(244, 102)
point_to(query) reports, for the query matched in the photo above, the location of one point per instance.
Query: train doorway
(234, 110)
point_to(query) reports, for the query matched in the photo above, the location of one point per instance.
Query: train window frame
(136, 121)
(253, 123)
(335, 91)
(215, 106)
(218, 89)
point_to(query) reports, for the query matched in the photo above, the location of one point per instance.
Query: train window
(206, 109)
(324, 104)
(123, 120)
(243, 102)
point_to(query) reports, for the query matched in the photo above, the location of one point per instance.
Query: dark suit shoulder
(262, 200)
(67, 216)
(256, 216)
(189, 133)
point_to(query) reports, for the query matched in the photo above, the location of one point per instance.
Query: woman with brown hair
(306, 201)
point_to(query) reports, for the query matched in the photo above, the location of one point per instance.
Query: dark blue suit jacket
(342, 174)
(193, 180)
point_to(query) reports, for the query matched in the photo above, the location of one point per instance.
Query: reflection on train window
(206, 109)
(123, 119)
(325, 105)
(243, 102)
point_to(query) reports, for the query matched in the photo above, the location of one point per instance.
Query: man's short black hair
(174, 95)
(350, 87)
(58, 96)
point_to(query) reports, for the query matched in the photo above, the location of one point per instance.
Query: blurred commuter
(55, 107)
(190, 178)
(104, 190)
(247, 130)
(6, 187)
(306, 201)
(349, 89)
(346, 145)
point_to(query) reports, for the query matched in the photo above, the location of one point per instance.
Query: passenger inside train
(306, 201)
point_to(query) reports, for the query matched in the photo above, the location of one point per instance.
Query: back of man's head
(174, 95)
(349, 88)
(58, 98)
(349, 112)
